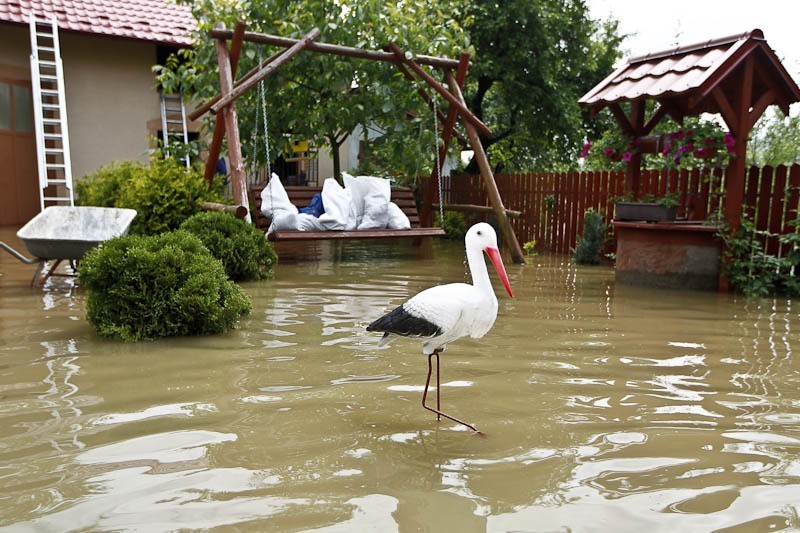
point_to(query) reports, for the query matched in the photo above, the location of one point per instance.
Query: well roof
(685, 77)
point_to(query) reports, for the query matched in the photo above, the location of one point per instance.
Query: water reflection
(606, 408)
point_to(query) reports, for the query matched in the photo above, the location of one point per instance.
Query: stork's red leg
(438, 412)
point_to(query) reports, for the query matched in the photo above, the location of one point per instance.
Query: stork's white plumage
(442, 314)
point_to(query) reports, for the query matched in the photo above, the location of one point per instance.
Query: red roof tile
(694, 71)
(161, 21)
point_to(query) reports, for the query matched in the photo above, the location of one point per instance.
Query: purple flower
(586, 148)
(608, 152)
(627, 156)
(730, 142)
(666, 150)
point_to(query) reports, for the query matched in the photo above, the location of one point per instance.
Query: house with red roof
(108, 49)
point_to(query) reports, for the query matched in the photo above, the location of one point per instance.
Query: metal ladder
(173, 122)
(50, 114)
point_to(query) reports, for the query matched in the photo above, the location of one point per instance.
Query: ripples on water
(606, 408)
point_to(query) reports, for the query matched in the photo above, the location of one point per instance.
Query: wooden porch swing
(228, 59)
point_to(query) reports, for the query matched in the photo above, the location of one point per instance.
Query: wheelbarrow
(62, 233)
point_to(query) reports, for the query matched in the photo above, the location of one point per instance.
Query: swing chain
(438, 170)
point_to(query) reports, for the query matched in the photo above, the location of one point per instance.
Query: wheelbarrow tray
(64, 232)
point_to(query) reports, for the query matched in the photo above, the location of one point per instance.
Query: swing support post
(232, 127)
(215, 147)
(488, 179)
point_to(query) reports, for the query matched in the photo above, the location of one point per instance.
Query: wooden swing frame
(412, 69)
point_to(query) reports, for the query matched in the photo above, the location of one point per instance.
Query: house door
(19, 184)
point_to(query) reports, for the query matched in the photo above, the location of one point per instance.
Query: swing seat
(301, 196)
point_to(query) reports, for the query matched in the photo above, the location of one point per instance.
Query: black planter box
(645, 211)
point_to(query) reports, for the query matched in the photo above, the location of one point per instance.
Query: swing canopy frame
(412, 69)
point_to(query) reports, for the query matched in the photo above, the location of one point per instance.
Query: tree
(533, 61)
(774, 140)
(322, 98)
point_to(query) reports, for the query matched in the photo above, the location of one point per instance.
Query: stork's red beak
(497, 262)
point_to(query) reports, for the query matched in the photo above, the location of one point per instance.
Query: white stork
(445, 313)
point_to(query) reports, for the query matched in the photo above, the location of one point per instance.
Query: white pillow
(308, 222)
(397, 219)
(284, 220)
(274, 199)
(337, 201)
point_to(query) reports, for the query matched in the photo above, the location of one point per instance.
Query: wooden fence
(553, 203)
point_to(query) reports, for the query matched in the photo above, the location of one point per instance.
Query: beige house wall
(109, 89)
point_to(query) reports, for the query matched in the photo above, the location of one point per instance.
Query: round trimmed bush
(159, 286)
(244, 251)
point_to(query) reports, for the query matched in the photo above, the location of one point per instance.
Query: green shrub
(102, 188)
(244, 250)
(159, 286)
(164, 193)
(589, 246)
(455, 225)
(751, 270)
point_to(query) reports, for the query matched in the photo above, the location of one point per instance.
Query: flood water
(605, 408)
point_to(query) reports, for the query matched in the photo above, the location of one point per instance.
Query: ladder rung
(47, 63)
(52, 135)
(52, 121)
(54, 150)
(43, 34)
(56, 199)
(50, 92)
(56, 182)
(45, 48)
(54, 165)
(171, 121)
(48, 77)
(50, 106)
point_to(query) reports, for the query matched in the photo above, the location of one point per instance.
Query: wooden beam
(769, 97)
(734, 185)
(726, 109)
(263, 72)
(203, 109)
(239, 211)
(232, 129)
(654, 119)
(488, 178)
(622, 119)
(324, 48)
(466, 114)
(215, 147)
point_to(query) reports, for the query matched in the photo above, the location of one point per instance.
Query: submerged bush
(159, 286)
(164, 192)
(243, 249)
(589, 246)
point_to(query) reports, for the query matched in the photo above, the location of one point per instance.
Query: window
(23, 109)
(5, 106)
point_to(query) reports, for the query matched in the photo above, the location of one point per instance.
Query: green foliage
(158, 286)
(774, 140)
(102, 188)
(532, 62)
(455, 225)
(244, 250)
(753, 272)
(529, 247)
(164, 193)
(590, 245)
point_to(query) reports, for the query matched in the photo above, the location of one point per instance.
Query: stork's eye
(479, 232)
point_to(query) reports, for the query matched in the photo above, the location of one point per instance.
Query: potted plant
(648, 209)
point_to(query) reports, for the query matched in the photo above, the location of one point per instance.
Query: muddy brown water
(605, 408)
